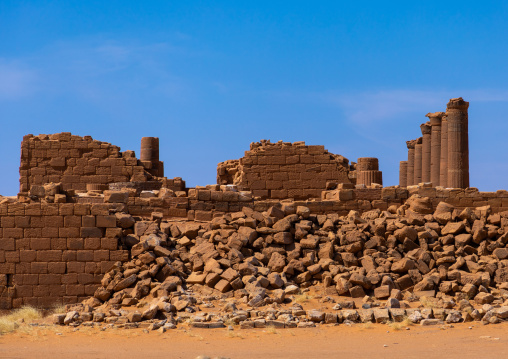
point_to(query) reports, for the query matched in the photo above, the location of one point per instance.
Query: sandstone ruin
(107, 234)
(284, 170)
(441, 156)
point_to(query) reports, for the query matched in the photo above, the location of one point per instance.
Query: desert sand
(466, 340)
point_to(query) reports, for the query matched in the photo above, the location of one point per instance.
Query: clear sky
(209, 77)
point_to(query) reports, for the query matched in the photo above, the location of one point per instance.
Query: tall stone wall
(55, 253)
(75, 161)
(284, 170)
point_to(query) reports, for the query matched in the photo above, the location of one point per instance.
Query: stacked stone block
(443, 168)
(150, 156)
(74, 162)
(284, 170)
(435, 161)
(367, 169)
(55, 253)
(426, 149)
(410, 178)
(403, 173)
(458, 147)
(443, 158)
(418, 161)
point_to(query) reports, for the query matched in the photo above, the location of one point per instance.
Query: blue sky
(209, 77)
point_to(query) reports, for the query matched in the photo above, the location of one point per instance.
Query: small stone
(59, 319)
(70, 317)
(454, 316)
(316, 315)
(134, 317)
(427, 322)
(292, 289)
(392, 303)
(415, 316)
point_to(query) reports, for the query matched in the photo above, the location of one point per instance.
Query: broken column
(403, 174)
(150, 156)
(443, 168)
(426, 155)
(410, 162)
(435, 147)
(368, 171)
(458, 147)
(418, 161)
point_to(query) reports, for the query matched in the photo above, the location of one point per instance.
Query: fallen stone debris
(290, 236)
(260, 269)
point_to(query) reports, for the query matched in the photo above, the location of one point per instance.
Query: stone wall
(205, 203)
(284, 170)
(75, 161)
(55, 253)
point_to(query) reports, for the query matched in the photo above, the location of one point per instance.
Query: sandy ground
(359, 341)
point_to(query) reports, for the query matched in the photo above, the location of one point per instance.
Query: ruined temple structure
(293, 170)
(77, 162)
(441, 156)
(85, 208)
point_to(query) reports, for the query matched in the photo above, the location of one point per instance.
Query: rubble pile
(259, 269)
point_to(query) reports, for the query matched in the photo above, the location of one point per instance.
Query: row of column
(441, 155)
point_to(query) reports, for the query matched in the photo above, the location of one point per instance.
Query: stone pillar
(458, 147)
(443, 169)
(426, 155)
(368, 171)
(418, 161)
(150, 154)
(410, 178)
(435, 147)
(149, 149)
(403, 174)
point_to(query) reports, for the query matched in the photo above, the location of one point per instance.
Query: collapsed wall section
(284, 170)
(74, 162)
(57, 253)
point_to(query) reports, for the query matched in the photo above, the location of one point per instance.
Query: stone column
(435, 147)
(149, 149)
(410, 162)
(368, 171)
(426, 155)
(443, 168)
(458, 147)
(403, 174)
(418, 161)
(150, 153)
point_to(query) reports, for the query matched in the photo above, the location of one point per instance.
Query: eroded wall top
(75, 161)
(284, 170)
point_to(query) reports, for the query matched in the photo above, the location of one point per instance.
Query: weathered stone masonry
(367, 170)
(410, 178)
(76, 161)
(284, 170)
(55, 253)
(57, 239)
(443, 159)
